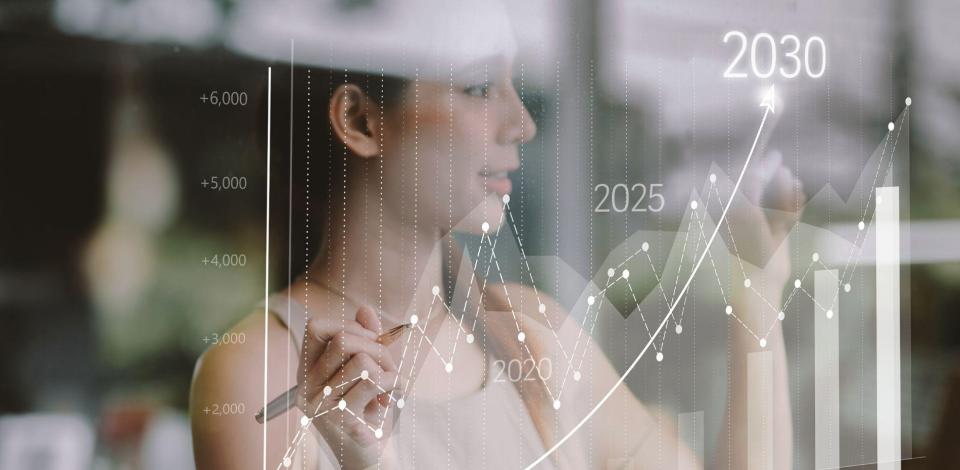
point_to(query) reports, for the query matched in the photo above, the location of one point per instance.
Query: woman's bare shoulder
(234, 372)
(232, 375)
(224, 361)
(264, 336)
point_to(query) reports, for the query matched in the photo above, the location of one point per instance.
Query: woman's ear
(354, 118)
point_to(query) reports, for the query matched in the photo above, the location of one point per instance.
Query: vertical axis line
(266, 264)
(290, 225)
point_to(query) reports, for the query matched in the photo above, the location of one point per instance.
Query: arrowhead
(770, 100)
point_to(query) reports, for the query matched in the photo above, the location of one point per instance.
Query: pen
(286, 400)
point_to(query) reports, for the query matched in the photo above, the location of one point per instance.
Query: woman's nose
(518, 126)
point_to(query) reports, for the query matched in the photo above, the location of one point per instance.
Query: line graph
(615, 275)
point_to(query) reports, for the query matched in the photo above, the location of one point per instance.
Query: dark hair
(234, 141)
(317, 155)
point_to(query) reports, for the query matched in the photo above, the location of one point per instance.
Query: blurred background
(120, 264)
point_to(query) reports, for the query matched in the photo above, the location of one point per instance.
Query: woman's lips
(497, 184)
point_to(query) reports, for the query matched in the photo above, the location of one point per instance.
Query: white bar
(887, 217)
(760, 411)
(690, 432)
(827, 366)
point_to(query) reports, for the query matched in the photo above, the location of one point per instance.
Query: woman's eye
(480, 90)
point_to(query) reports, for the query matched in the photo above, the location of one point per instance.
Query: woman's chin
(485, 217)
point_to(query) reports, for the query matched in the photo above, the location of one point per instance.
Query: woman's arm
(339, 351)
(228, 375)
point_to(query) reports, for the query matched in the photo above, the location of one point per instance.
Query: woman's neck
(376, 257)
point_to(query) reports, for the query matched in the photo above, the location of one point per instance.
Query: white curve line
(673, 306)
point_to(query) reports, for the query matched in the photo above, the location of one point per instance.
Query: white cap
(399, 37)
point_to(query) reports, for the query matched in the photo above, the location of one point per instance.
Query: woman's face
(449, 144)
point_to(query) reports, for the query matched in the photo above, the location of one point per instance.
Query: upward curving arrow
(769, 101)
(769, 104)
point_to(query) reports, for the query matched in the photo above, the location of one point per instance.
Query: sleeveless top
(488, 428)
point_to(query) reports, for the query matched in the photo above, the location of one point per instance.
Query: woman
(411, 160)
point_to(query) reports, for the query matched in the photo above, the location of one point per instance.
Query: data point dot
(436, 290)
(576, 375)
(728, 310)
(401, 403)
(611, 272)
(485, 227)
(506, 199)
(797, 283)
(556, 404)
(860, 225)
(908, 101)
(448, 367)
(846, 287)
(304, 421)
(414, 319)
(890, 126)
(342, 405)
(591, 299)
(746, 283)
(713, 177)
(626, 273)
(365, 375)
(327, 391)
(521, 336)
(781, 316)
(815, 256)
(763, 342)
(693, 205)
(679, 329)
(542, 308)
(378, 433)
(829, 314)
(644, 246)
(659, 357)
(470, 338)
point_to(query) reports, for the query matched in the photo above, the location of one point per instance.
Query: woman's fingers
(320, 331)
(339, 351)
(784, 194)
(356, 389)
(363, 392)
(759, 175)
(367, 318)
(359, 368)
(363, 401)
(323, 329)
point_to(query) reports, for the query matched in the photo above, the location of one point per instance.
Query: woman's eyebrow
(482, 70)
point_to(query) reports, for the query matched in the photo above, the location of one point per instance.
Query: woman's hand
(758, 223)
(756, 231)
(347, 379)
